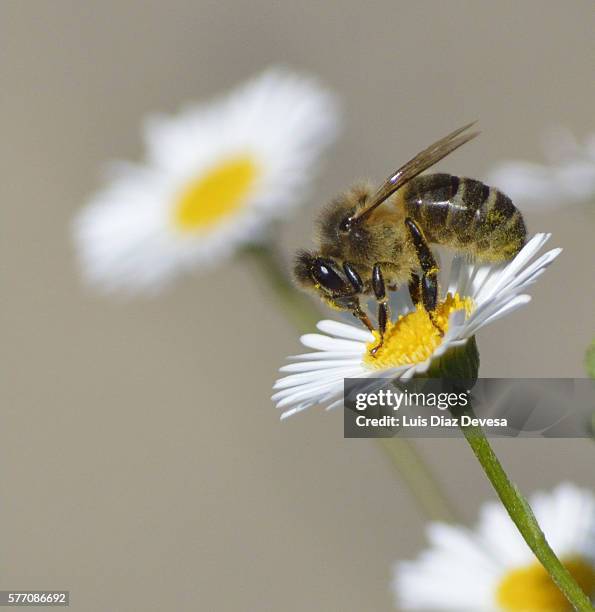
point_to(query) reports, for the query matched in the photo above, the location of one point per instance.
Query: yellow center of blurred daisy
(530, 589)
(412, 338)
(216, 194)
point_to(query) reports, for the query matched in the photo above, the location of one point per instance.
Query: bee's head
(322, 275)
(314, 271)
(302, 269)
(338, 230)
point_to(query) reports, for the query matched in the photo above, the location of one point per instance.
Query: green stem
(522, 515)
(403, 455)
(424, 487)
(296, 305)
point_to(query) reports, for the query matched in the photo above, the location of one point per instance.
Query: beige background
(142, 464)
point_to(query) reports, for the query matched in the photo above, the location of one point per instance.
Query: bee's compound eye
(325, 275)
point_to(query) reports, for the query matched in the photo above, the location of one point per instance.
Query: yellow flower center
(216, 194)
(530, 589)
(412, 338)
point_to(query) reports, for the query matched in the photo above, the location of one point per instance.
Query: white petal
(296, 409)
(303, 377)
(318, 365)
(408, 373)
(324, 355)
(454, 279)
(494, 311)
(507, 275)
(540, 264)
(337, 404)
(481, 276)
(325, 343)
(510, 307)
(343, 330)
(312, 390)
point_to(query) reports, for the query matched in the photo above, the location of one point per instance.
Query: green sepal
(458, 362)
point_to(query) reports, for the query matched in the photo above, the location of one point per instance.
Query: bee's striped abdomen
(467, 215)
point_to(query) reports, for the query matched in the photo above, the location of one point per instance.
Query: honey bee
(373, 242)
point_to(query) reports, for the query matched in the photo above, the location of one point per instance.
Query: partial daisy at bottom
(491, 569)
(215, 176)
(475, 295)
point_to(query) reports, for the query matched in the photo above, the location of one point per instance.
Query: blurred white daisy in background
(567, 177)
(215, 176)
(476, 295)
(491, 568)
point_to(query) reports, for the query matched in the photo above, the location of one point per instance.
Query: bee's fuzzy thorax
(381, 237)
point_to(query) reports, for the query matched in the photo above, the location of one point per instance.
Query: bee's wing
(422, 161)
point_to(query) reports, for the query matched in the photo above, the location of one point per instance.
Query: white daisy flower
(476, 295)
(568, 177)
(491, 568)
(215, 176)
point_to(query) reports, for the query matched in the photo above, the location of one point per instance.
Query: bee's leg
(429, 281)
(379, 288)
(363, 317)
(358, 287)
(340, 293)
(415, 289)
